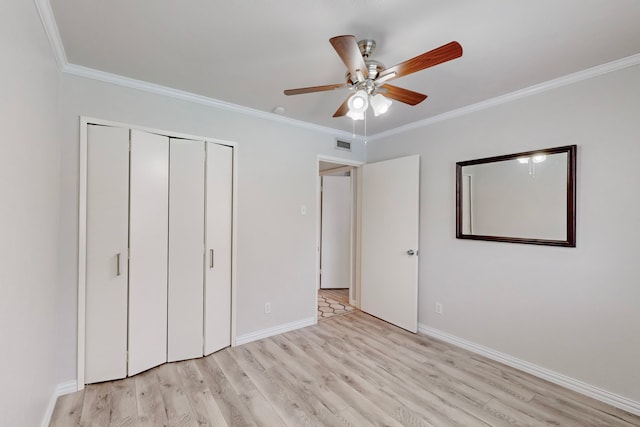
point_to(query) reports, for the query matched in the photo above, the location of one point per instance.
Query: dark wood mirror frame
(570, 241)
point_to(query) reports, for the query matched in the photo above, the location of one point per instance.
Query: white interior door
(186, 250)
(148, 237)
(107, 234)
(390, 218)
(219, 205)
(335, 253)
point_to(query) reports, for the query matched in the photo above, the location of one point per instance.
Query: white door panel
(390, 219)
(148, 236)
(219, 204)
(336, 232)
(107, 234)
(186, 250)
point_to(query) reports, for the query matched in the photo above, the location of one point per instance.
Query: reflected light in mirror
(538, 158)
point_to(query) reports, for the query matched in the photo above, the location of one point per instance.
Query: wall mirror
(527, 197)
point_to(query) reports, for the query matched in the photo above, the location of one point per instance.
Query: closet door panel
(186, 249)
(106, 277)
(218, 242)
(148, 236)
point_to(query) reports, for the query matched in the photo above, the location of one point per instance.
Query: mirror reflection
(522, 198)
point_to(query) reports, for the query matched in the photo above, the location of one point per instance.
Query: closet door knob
(210, 258)
(411, 252)
(118, 264)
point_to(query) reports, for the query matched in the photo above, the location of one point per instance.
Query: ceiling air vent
(343, 145)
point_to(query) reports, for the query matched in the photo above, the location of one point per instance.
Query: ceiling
(247, 52)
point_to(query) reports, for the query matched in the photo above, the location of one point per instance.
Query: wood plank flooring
(352, 370)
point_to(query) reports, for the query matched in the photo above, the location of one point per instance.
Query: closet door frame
(85, 121)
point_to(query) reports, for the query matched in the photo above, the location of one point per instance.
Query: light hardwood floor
(352, 370)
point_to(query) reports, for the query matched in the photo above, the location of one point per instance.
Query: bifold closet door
(219, 204)
(107, 233)
(186, 249)
(148, 236)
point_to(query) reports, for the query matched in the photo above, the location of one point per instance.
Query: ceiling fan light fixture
(359, 102)
(380, 104)
(355, 116)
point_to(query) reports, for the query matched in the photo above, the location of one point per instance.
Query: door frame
(355, 228)
(85, 121)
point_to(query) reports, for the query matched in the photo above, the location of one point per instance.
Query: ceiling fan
(368, 78)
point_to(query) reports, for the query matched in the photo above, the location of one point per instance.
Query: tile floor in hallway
(333, 302)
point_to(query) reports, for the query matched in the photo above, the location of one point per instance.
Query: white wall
(570, 310)
(277, 173)
(29, 177)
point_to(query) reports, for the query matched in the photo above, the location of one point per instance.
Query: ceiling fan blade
(348, 50)
(436, 56)
(403, 95)
(314, 89)
(342, 110)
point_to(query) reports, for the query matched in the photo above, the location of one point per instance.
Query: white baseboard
(72, 386)
(280, 329)
(61, 389)
(538, 371)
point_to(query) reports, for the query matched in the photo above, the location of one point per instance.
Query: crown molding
(51, 29)
(518, 94)
(103, 76)
(483, 105)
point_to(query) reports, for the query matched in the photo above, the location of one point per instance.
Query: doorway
(384, 236)
(337, 238)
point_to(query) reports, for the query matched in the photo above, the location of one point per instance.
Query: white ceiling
(247, 52)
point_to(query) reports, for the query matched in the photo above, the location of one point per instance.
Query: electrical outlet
(267, 307)
(439, 308)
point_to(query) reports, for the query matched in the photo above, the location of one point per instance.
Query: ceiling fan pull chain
(365, 127)
(353, 130)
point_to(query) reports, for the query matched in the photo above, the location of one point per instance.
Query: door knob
(411, 252)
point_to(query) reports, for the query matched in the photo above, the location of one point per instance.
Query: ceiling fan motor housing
(366, 46)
